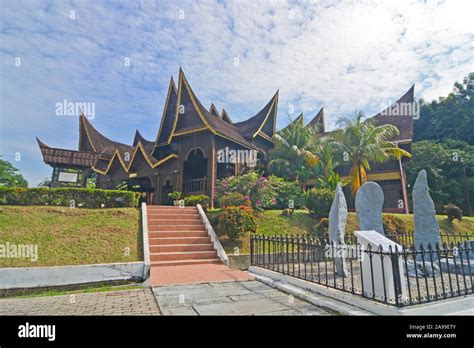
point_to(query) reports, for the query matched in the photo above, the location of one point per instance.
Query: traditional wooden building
(184, 156)
(391, 174)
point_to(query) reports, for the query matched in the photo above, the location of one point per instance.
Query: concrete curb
(36, 277)
(311, 297)
(215, 240)
(146, 249)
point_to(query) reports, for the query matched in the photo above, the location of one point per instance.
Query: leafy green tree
(326, 176)
(449, 166)
(362, 142)
(448, 117)
(293, 156)
(10, 176)
(45, 183)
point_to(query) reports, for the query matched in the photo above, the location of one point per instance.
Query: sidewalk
(122, 302)
(231, 298)
(193, 274)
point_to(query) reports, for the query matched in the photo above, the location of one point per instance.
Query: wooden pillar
(179, 186)
(156, 193)
(213, 170)
(85, 174)
(404, 187)
(179, 172)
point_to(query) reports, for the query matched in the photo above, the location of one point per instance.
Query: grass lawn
(271, 222)
(68, 236)
(85, 290)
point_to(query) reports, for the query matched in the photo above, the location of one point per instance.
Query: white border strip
(146, 247)
(312, 297)
(210, 231)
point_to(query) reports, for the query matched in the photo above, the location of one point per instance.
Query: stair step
(174, 212)
(177, 234)
(179, 240)
(183, 255)
(176, 222)
(184, 262)
(174, 248)
(170, 208)
(173, 216)
(184, 228)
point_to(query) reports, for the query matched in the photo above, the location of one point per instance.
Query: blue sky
(343, 55)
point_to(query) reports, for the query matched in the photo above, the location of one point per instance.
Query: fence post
(397, 282)
(251, 250)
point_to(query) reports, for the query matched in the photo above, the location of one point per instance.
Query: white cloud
(341, 55)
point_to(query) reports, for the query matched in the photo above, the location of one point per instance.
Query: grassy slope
(71, 236)
(272, 222)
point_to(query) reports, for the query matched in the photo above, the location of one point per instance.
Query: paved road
(232, 298)
(123, 302)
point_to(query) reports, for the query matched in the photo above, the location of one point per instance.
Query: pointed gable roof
(225, 117)
(91, 140)
(264, 121)
(115, 162)
(213, 111)
(147, 144)
(168, 116)
(139, 154)
(299, 119)
(203, 120)
(191, 115)
(400, 114)
(318, 121)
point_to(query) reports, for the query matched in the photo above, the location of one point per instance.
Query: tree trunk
(359, 175)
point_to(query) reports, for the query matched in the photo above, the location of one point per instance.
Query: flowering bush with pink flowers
(254, 187)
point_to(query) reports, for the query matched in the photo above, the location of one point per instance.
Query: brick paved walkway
(123, 302)
(232, 298)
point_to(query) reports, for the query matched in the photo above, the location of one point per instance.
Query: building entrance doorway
(195, 172)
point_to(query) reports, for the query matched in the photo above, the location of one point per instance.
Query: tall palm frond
(361, 142)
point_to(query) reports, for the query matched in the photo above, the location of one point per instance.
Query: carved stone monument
(337, 228)
(426, 226)
(368, 204)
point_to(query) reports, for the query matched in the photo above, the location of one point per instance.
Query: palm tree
(293, 154)
(326, 176)
(361, 142)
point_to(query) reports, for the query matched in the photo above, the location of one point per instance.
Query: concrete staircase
(177, 236)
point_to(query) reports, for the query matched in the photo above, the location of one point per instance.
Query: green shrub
(453, 212)
(174, 195)
(318, 201)
(195, 200)
(287, 191)
(253, 186)
(79, 197)
(237, 220)
(231, 199)
(393, 227)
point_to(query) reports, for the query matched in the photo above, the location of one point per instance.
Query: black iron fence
(408, 239)
(399, 277)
